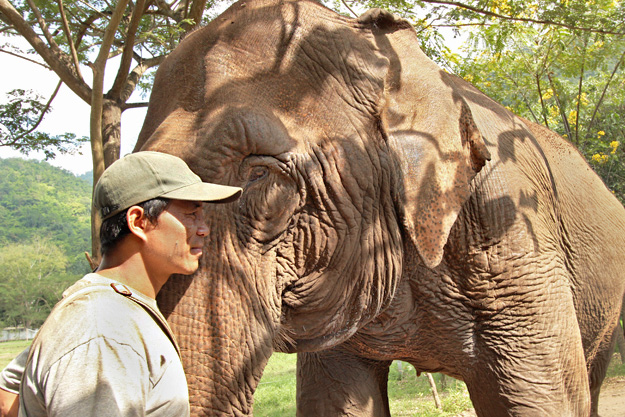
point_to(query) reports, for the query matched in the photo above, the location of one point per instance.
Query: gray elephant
(390, 211)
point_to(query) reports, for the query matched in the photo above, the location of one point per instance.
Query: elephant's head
(349, 144)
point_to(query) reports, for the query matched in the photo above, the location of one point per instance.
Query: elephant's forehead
(247, 130)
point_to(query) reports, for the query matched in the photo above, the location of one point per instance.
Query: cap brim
(204, 191)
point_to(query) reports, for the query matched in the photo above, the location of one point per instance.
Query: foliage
(87, 176)
(568, 80)
(44, 231)
(39, 200)
(19, 119)
(32, 277)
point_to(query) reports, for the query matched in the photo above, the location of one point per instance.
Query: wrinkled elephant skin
(390, 211)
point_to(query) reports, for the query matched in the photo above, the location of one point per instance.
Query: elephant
(390, 210)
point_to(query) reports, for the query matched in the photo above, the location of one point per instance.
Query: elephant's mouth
(307, 327)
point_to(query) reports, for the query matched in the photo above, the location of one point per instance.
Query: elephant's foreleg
(599, 368)
(336, 383)
(529, 358)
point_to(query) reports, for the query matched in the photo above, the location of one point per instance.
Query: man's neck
(128, 270)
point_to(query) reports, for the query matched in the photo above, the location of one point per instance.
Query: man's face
(176, 241)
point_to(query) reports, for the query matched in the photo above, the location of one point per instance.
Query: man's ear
(137, 221)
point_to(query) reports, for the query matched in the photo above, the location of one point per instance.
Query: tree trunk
(111, 145)
(437, 400)
(400, 370)
(111, 131)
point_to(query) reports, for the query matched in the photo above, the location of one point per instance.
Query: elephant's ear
(431, 130)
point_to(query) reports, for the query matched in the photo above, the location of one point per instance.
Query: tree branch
(543, 107)
(68, 36)
(127, 106)
(42, 24)
(135, 75)
(197, 8)
(97, 99)
(43, 112)
(579, 91)
(349, 8)
(55, 58)
(521, 19)
(565, 121)
(128, 49)
(605, 89)
(26, 59)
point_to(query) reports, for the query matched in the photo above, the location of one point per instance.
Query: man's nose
(202, 227)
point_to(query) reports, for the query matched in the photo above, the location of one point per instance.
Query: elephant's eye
(257, 173)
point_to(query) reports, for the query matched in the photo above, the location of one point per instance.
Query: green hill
(38, 200)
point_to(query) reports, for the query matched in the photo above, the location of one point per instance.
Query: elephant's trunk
(224, 336)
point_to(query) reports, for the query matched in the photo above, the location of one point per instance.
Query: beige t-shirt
(105, 350)
(11, 376)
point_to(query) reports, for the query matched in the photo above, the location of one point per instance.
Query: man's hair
(113, 230)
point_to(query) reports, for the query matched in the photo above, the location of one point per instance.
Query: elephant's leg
(528, 357)
(598, 369)
(336, 383)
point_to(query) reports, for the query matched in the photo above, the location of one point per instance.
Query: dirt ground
(611, 399)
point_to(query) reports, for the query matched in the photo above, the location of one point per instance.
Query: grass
(9, 350)
(409, 395)
(616, 367)
(275, 395)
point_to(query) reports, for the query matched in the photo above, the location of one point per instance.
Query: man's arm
(8, 403)
(10, 379)
(97, 378)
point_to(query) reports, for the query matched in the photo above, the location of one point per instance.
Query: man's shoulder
(91, 311)
(93, 301)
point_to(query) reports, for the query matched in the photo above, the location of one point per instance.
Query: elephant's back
(582, 197)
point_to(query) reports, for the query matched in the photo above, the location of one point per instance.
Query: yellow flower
(554, 111)
(614, 144)
(600, 133)
(583, 99)
(600, 158)
(501, 6)
(548, 94)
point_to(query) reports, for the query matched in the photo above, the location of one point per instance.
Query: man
(105, 349)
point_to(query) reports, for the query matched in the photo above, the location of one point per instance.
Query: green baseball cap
(145, 175)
